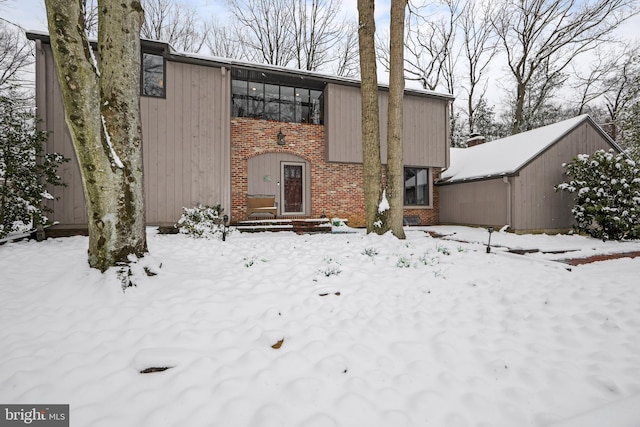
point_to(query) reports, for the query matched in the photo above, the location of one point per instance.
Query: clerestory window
(152, 75)
(269, 101)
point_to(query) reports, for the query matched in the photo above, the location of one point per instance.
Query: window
(271, 101)
(416, 186)
(153, 75)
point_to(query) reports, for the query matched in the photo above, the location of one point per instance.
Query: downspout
(505, 179)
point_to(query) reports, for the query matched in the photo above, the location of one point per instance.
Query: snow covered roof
(506, 156)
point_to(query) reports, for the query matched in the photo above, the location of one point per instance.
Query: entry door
(293, 191)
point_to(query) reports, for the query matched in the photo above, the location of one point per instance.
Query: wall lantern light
(280, 139)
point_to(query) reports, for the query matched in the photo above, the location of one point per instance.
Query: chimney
(475, 139)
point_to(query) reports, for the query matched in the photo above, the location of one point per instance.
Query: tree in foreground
(25, 170)
(371, 164)
(103, 116)
(381, 213)
(607, 195)
(395, 165)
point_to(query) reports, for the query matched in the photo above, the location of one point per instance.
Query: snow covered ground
(368, 331)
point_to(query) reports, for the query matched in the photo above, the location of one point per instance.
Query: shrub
(25, 169)
(607, 195)
(202, 221)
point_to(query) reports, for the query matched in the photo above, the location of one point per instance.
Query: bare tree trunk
(107, 142)
(541, 38)
(370, 118)
(395, 165)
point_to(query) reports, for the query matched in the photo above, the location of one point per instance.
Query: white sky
(31, 15)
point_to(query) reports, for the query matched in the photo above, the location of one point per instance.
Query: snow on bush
(202, 221)
(25, 169)
(607, 195)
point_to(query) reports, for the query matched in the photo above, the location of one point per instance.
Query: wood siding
(474, 203)
(425, 131)
(537, 206)
(186, 140)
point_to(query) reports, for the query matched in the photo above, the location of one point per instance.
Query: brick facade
(336, 188)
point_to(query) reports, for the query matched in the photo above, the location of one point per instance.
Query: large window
(282, 103)
(153, 75)
(416, 186)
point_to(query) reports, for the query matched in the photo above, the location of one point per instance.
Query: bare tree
(221, 41)
(590, 80)
(175, 22)
(316, 29)
(371, 164)
(91, 17)
(102, 113)
(15, 56)
(542, 37)
(264, 28)
(623, 89)
(480, 46)
(395, 165)
(347, 52)
(430, 45)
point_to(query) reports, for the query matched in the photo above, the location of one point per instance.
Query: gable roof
(507, 156)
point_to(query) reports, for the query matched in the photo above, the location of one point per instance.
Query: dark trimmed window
(270, 101)
(416, 186)
(153, 75)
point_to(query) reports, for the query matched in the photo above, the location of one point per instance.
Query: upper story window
(268, 100)
(416, 186)
(153, 75)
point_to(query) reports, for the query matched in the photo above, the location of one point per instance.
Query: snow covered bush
(607, 195)
(202, 221)
(25, 170)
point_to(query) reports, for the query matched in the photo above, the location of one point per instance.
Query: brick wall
(336, 188)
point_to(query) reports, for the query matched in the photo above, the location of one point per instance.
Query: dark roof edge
(441, 181)
(172, 54)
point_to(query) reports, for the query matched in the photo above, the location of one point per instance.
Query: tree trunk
(370, 117)
(518, 117)
(395, 165)
(103, 116)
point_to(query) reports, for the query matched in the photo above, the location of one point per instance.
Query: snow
(373, 331)
(116, 159)
(507, 155)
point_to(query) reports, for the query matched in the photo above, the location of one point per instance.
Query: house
(217, 131)
(511, 181)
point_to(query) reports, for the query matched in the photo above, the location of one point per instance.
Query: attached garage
(511, 181)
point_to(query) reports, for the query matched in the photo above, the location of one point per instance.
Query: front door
(293, 191)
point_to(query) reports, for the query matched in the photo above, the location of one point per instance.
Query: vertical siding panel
(147, 158)
(160, 158)
(474, 203)
(174, 148)
(425, 129)
(180, 145)
(207, 144)
(537, 206)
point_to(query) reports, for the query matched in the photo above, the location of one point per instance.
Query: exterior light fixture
(490, 230)
(280, 137)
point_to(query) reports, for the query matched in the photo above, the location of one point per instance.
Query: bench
(261, 204)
